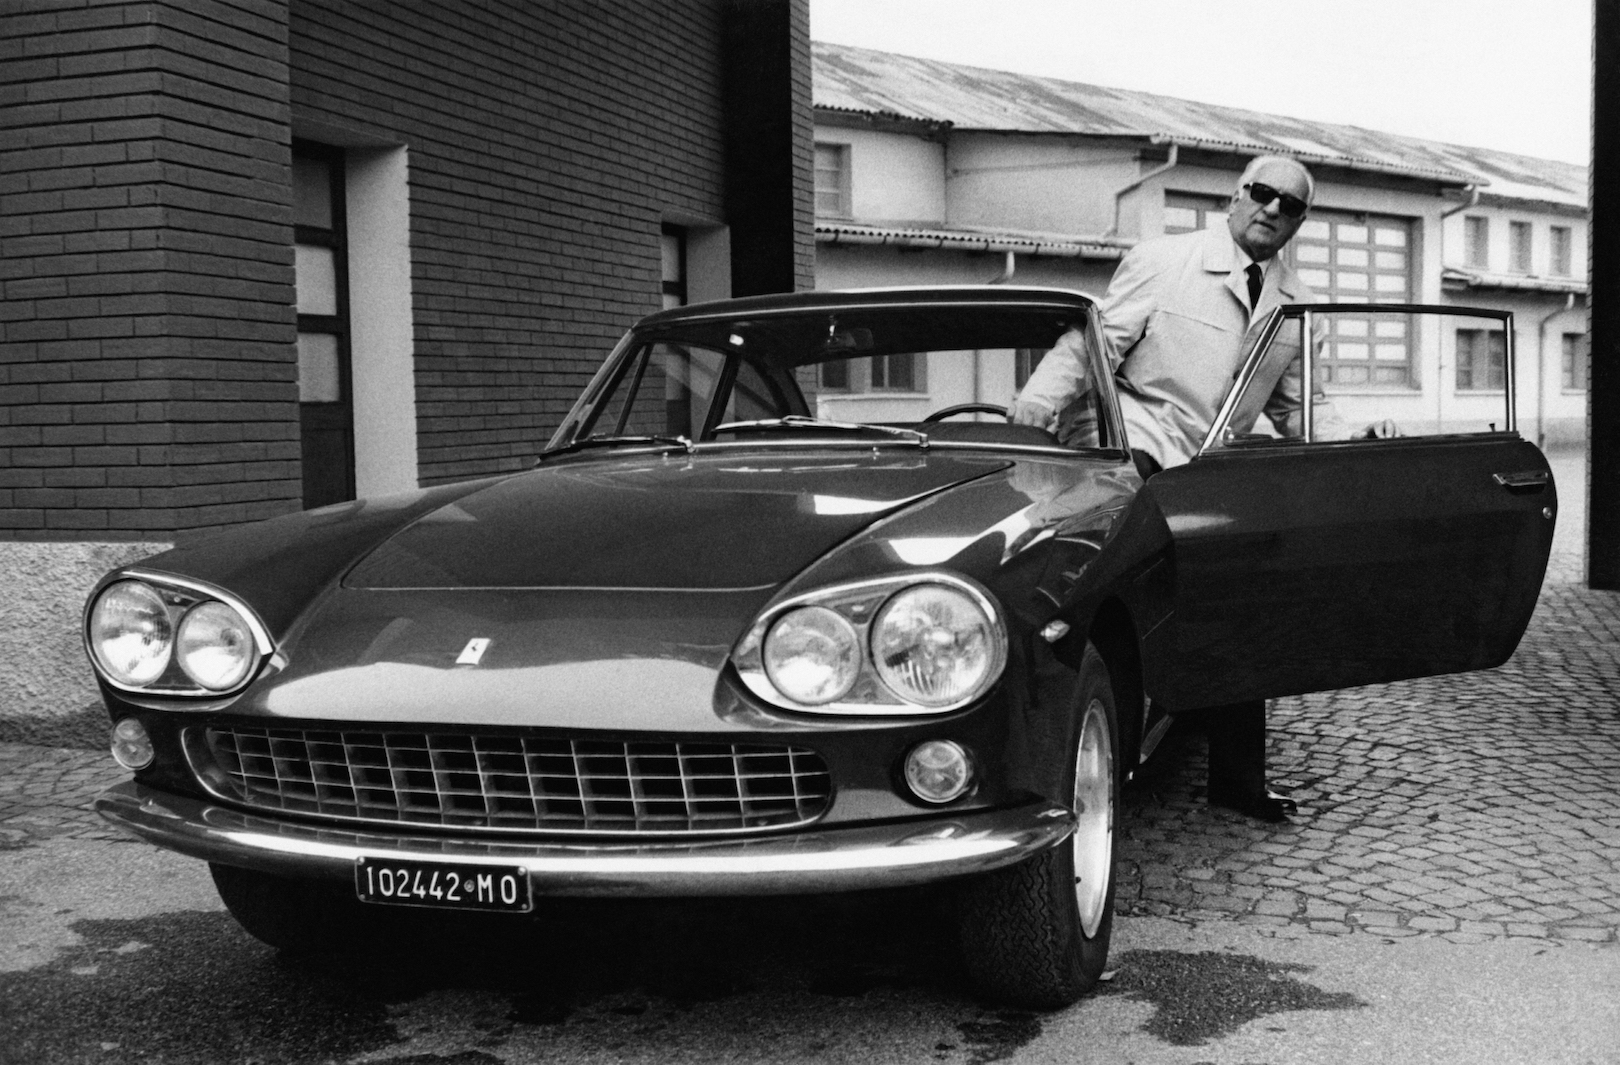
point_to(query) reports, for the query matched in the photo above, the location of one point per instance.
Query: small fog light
(131, 746)
(938, 771)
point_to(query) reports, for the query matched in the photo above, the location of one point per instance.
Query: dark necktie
(1256, 279)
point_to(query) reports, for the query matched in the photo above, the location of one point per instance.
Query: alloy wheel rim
(1093, 839)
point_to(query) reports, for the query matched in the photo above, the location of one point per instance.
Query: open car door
(1305, 564)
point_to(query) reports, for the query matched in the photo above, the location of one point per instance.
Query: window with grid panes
(1024, 362)
(1519, 247)
(1477, 241)
(320, 269)
(876, 373)
(672, 249)
(1185, 213)
(897, 373)
(832, 181)
(1481, 360)
(1574, 345)
(1360, 259)
(1559, 254)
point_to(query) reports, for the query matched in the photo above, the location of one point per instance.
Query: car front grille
(513, 783)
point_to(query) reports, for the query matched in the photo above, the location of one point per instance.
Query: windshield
(889, 374)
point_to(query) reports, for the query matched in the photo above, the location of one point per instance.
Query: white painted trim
(381, 334)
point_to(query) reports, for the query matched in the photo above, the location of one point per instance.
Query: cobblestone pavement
(1473, 807)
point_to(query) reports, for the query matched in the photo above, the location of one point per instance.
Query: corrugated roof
(1454, 277)
(864, 81)
(971, 239)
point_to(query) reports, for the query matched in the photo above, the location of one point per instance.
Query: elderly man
(1180, 314)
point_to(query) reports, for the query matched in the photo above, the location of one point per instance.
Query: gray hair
(1261, 160)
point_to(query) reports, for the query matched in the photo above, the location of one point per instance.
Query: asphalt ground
(1448, 891)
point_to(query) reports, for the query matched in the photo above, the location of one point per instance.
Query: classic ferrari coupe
(736, 633)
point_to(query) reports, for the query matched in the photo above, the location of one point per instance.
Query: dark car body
(423, 659)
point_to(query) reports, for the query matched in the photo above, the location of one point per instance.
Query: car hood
(603, 593)
(728, 521)
(606, 594)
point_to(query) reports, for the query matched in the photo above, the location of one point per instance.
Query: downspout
(1440, 366)
(1541, 368)
(1119, 195)
(1473, 199)
(1008, 269)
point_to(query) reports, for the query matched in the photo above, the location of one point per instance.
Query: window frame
(1574, 362)
(841, 151)
(327, 476)
(1560, 251)
(1521, 247)
(1477, 241)
(1335, 248)
(1219, 437)
(672, 289)
(1202, 204)
(1492, 352)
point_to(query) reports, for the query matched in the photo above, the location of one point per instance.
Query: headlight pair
(172, 638)
(915, 644)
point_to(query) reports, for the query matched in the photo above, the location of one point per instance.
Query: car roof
(896, 297)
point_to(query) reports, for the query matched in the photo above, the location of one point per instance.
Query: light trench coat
(1176, 318)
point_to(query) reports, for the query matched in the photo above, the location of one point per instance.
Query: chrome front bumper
(804, 862)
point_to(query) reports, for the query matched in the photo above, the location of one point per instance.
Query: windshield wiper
(800, 421)
(684, 443)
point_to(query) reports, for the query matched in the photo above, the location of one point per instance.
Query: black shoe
(1266, 806)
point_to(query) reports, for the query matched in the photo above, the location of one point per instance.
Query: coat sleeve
(1061, 375)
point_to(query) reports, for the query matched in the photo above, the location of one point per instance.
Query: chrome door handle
(1526, 482)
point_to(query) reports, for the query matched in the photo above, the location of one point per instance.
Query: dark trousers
(1237, 748)
(1237, 731)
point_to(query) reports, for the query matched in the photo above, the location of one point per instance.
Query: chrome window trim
(1215, 439)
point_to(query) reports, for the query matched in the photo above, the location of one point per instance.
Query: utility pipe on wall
(1541, 367)
(1119, 195)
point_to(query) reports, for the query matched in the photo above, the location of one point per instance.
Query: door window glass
(1361, 258)
(1266, 405)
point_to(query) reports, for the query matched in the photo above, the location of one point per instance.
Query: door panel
(1303, 568)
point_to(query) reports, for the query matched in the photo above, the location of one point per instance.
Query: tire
(1035, 935)
(295, 916)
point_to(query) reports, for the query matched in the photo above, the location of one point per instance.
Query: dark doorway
(325, 406)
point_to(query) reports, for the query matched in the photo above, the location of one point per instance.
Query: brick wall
(547, 142)
(147, 358)
(147, 381)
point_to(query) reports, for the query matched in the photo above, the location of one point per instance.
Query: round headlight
(215, 646)
(938, 771)
(130, 634)
(131, 746)
(812, 655)
(932, 644)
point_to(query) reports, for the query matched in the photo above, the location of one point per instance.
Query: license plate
(443, 885)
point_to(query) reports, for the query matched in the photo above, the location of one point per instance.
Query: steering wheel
(965, 408)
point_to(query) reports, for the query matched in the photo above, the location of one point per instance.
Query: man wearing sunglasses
(1179, 315)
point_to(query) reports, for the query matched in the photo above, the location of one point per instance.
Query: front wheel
(1036, 934)
(295, 916)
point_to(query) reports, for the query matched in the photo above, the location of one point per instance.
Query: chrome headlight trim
(192, 593)
(860, 602)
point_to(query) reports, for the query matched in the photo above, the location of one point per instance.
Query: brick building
(264, 254)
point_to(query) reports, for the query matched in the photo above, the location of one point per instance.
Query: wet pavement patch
(199, 990)
(998, 1036)
(1209, 995)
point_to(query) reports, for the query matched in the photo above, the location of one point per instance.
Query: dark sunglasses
(1290, 206)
